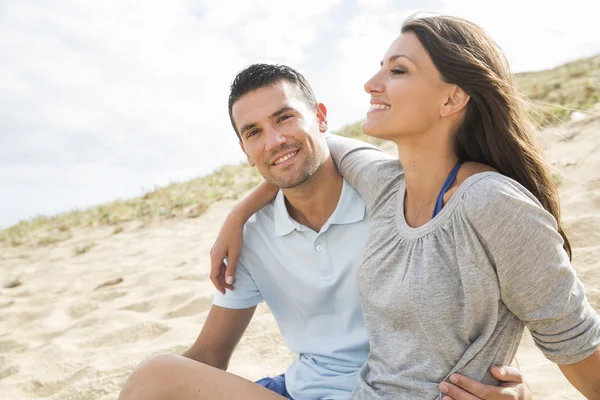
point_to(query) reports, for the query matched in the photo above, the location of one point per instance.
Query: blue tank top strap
(439, 203)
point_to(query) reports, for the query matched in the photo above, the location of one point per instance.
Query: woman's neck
(427, 160)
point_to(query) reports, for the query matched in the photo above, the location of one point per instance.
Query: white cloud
(535, 34)
(125, 94)
(128, 84)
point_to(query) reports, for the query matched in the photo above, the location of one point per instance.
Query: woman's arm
(368, 169)
(356, 160)
(230, 239)
(536, 279)
(585, 375)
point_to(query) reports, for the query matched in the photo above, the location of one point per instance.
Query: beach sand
(78, 324)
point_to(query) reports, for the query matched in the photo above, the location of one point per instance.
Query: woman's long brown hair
(496, 130)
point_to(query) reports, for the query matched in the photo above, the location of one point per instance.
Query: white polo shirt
(308, 279)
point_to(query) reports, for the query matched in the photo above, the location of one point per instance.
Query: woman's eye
(398, 71)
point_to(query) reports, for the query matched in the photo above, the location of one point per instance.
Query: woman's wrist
(239, 214)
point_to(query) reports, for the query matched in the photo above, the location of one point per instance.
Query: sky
(108, 99)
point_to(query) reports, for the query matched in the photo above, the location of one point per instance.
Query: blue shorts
(276, 384)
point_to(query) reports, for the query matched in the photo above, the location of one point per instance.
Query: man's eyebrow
(247, 127)
(274, 115)
(395, 57)
(281, 111)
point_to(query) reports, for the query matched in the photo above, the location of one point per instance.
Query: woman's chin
(369, 128)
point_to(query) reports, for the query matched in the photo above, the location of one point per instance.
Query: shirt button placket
(323, 256)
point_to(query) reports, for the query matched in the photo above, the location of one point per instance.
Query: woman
(466, 244)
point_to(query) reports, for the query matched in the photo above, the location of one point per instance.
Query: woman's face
(407, 93)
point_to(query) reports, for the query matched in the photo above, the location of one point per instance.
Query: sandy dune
(62, 337)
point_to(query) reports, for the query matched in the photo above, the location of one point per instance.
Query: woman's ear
(455, 101)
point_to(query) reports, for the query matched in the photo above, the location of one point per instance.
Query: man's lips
(283, 158)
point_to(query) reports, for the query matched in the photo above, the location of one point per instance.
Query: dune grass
(552, 95)
(177, 200)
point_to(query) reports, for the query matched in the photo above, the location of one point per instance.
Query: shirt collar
(350, 209)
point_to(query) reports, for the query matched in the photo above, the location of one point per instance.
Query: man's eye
(284, 117)
(251, 133)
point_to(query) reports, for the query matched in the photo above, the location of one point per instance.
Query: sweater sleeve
(367, 168)
(537, 282)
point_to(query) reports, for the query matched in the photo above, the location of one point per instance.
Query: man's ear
(322, 117)
(250, 162)
(456, 100)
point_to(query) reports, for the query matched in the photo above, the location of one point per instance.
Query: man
(299, 255)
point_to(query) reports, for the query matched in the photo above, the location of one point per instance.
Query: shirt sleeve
(245, 293)
(367, 168)
(537, 282)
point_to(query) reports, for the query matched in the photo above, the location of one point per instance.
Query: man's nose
(274, 139)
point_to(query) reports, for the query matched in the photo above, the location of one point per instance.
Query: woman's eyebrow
(397, 56)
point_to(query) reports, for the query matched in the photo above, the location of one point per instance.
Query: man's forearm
(205, 357)
(220, 334)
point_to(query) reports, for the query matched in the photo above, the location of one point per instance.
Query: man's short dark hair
(258, 76)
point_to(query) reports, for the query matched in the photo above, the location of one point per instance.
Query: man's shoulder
(261, 223)
(259, 238)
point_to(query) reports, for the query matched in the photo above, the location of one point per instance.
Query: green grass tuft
(84, 248)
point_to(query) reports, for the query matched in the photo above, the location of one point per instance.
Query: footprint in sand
(47, 388)
(10, 371)
(108, 294)
(10, 346)
(194, 307)
(81, 309)
(193, 277)
(160, 303)
(97, 385)
(131, 334)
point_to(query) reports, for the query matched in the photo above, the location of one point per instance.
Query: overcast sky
(105, 99)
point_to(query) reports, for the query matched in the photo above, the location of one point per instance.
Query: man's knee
(153, 379)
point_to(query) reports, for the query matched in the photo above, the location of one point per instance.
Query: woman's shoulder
(466, 171)
(486, 191)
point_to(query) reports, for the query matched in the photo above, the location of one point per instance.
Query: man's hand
(511, 387)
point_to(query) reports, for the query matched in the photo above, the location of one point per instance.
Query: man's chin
(288, 182)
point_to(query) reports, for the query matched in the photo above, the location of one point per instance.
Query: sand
(77, 325)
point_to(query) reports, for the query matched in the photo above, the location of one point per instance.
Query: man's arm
(220, 334)
(511, 387)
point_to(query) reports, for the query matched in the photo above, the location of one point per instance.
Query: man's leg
(172, 377)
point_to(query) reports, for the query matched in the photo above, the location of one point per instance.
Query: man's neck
(313, 202)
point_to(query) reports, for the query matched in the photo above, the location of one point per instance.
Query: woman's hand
(227, 246)
(230, 240)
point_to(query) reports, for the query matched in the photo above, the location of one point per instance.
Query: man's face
(280, 134)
